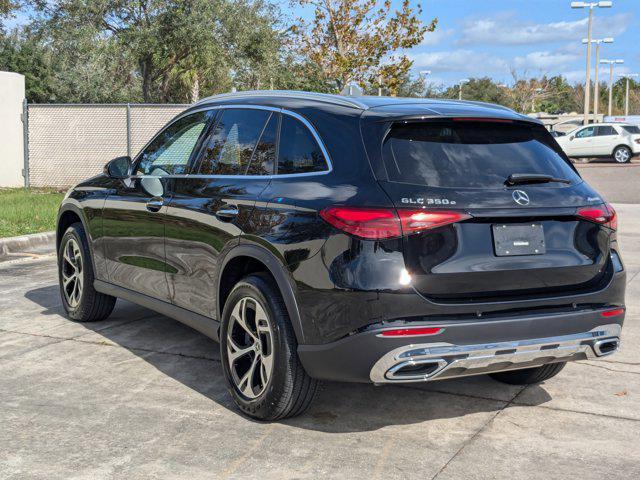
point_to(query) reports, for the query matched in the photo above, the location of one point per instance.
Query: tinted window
(631, 129)
(299, 152)
(586, 132)
(263, 160)
(606, 130)
(230, 145)
(470, 154)
(169, 152)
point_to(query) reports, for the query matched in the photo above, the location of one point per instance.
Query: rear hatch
(522, 223)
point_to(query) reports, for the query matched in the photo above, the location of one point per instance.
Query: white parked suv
(618, 140)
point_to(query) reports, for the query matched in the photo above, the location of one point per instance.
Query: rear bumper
(465, 348)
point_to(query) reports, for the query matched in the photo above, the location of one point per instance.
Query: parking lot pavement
(617, 183)
(142, 396)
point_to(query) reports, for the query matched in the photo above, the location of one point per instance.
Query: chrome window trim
(283, 111)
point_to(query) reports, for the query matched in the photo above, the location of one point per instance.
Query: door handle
(227, 213)
(155, 204)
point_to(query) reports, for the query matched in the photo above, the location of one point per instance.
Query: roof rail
(320, 97)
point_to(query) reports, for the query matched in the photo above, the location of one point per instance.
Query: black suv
(365, 239)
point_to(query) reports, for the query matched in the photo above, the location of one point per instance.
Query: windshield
(471, 154)
(631, 128)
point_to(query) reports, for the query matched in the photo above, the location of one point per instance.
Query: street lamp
(587, 85)
(626, 91)
(462, 82)
(611, 63)
(596, 93)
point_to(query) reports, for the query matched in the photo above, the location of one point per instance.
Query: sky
(476, 38)
(489, 38)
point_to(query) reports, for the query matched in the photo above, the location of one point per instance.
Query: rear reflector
(603, 214)
(411, 332)
(386, 223)
(613, 313)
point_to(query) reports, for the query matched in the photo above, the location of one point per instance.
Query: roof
(389, 105)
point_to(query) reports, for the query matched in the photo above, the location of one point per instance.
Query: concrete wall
(11, 130)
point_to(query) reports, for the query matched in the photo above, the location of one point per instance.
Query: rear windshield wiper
(528, 178)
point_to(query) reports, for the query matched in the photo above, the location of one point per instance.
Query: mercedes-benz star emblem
(520, 197)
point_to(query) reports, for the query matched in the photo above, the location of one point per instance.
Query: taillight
(411, 332)
(386, 223)
(603, 214)
(637, 140)
(613, 313)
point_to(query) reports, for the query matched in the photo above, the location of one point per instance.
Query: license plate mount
(513, 239)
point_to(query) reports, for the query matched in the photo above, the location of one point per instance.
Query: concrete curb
(27, 243)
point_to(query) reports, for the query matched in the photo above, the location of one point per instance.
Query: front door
(582, 143)
(210, 207)
(135, 214)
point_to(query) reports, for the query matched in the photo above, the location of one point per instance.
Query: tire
(75, 276)
(622, 154)
(527, 376)
(285, 391)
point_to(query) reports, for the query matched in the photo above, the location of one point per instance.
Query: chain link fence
(66, 143)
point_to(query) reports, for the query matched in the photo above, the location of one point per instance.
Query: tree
(480, 89)
(358, 40)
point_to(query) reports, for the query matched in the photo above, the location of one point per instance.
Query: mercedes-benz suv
(359, 239)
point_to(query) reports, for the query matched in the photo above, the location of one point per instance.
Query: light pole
(462, 82)
(587, 85)
(611, 63)
(627, 76)
(596, 93)
(423, 74)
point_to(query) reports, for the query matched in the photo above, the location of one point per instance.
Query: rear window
(631, 128)
(470, 154)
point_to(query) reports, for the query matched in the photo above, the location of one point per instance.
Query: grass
(24, 211)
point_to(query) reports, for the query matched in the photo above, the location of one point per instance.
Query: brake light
(637, 140)
(481, 119)
(411, 332)
(386, 223)
(603, 214)
(613, 313)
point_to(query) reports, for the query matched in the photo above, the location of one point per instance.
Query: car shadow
(193, 360)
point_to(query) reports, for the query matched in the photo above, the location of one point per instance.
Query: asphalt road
(617, 183)
(142, 396)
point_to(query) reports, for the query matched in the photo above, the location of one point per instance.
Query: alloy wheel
(72, 275)
(622, 155)
(250, 347)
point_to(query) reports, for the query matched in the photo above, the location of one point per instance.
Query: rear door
(210, 207)
(519, 239)
(605, 140)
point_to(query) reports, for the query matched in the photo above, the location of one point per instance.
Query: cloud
(505, 29)
(436, 37)
(545, 61)
(468, 61)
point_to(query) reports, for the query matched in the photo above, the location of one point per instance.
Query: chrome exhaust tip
(606, 346)
(416, 369)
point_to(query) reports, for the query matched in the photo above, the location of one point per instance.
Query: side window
(169, 152)
(604, 130)
(298, 150)
(230, 146)
(586, 132)
(264, 156)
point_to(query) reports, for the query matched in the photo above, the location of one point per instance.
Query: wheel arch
(613, 151)
(245, 259)
(69, 214)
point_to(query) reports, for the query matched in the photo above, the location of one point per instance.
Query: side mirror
(571, 137)
(118, 167)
